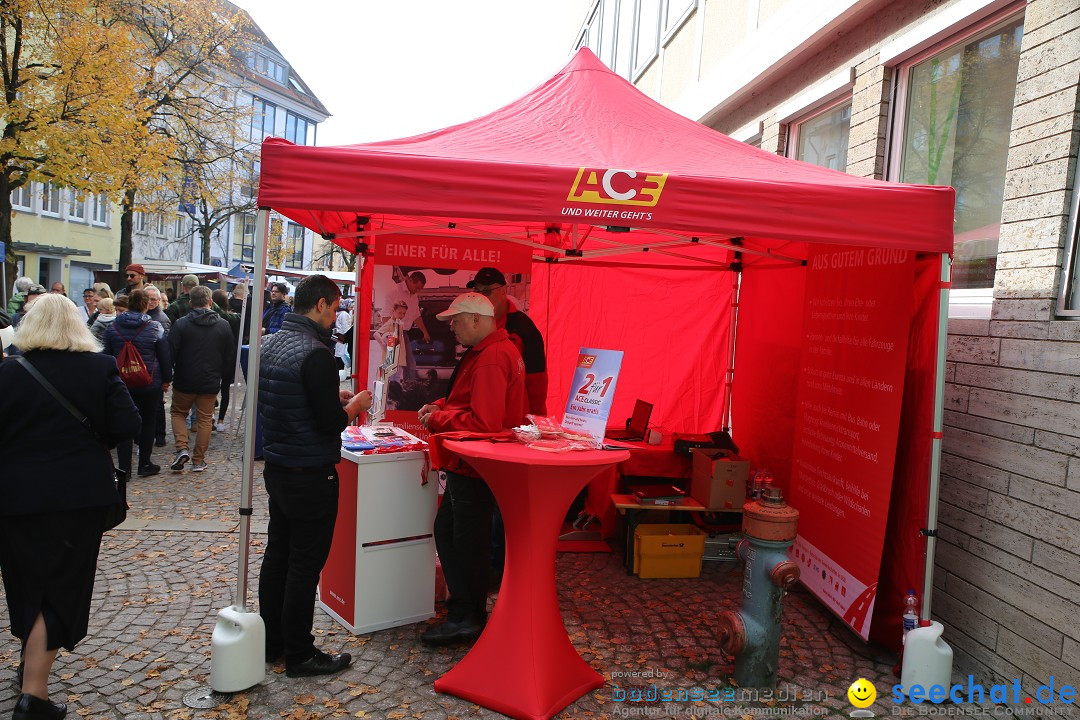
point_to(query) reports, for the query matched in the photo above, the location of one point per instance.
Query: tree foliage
(70, 113)
(189, 74)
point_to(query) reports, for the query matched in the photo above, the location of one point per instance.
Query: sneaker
(149, 469)
(198, 467)
(220, 427)
(182, 456)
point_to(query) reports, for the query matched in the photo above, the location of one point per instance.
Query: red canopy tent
(637, 218)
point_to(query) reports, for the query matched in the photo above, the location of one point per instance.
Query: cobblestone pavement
(160, 584)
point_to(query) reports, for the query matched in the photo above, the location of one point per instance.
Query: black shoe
(30, 707)
(319, 664)
(149, 469)
(159, 442)
(452, 632)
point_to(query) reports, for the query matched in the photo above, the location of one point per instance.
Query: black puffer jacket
(150, 342)
(202, 347)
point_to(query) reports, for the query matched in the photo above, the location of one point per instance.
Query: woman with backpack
(145, 364)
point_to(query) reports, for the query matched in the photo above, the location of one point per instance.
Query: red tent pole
(935, 449)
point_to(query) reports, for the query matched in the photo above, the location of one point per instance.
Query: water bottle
(766, 482)
(911, 613)
(755, 485)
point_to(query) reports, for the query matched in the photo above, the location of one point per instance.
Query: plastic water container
(237, 651)
(927, 658)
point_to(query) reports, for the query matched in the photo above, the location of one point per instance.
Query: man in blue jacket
(303, 412)
(202, 347)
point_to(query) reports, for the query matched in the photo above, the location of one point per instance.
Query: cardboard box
(718, 482)
(668, 551)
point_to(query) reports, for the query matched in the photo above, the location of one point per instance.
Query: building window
(99, 209)
(294, 247)
(299, 130)
(22, 197)
(180, 226)
(956, 119)
(822, 138)
(159, 224)
(244, 247)
(268, 67)
(76, 206)
(675, 13)
(142, 222)
(262, 119)
(50, 199)
(647, 35)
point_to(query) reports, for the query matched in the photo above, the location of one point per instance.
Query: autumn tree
(329, 255)
(190, 71)
(69, 110)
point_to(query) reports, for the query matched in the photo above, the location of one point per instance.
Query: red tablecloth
(523, 665)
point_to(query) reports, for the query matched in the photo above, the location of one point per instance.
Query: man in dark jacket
(274, 315)
(202, 347)
(182, 305)
(221, 307)
(303, 414)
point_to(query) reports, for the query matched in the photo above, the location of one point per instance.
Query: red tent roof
(588, 148)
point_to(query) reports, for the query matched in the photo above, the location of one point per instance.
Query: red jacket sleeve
(487, 404)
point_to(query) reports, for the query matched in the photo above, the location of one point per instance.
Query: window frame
(294, 246)
(1068, 304)
(245, 219)
(49, 190)
(971, 303)
(268, 109)
(74, 202)
(297, 118)
(99, 202)
(26, 188)
(669, 28)
(794, 126)
(639, 67)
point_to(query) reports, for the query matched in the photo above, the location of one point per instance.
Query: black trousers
(463, 539)
(159, 420)
(148, 403)
(303, 510)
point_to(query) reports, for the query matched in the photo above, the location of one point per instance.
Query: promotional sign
(415, 278)
(850, 387)
(592, 391)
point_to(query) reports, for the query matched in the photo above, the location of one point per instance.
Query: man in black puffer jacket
(303, 414)
(202, 347)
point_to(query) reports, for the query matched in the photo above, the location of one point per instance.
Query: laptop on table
(636, 426)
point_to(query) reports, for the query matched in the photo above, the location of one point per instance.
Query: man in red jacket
(486, 394)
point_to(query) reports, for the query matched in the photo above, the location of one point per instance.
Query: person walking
(155, 311)
(17, 299)
(486, 394)
(221, 306)
(202, 347)
(148, 338)
(303, 413)
(89, 305)
(106, 313)
(135, 274)
(55, 496)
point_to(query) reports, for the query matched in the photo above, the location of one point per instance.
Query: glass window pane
(647, 42)
(823, 139)
(624, 38)
(956, 132)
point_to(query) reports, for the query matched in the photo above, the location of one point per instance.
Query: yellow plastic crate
(668, 551)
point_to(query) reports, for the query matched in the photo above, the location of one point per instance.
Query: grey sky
(396, 68)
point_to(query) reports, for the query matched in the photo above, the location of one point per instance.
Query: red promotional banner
(851, 381)
(415, 278)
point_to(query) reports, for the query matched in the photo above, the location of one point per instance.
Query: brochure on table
(381, 438)
(592, 391)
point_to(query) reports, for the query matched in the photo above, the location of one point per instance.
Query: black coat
(202, 347)
(48, 461)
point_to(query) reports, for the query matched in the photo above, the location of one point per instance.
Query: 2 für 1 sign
(592, 391)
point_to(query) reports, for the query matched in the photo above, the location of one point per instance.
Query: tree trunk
(127, 217)
(204, 236)
(5, 237)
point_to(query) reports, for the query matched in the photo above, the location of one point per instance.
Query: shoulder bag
(117, 512)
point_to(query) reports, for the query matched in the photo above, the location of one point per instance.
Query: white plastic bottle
(927, 659)
(911, 613)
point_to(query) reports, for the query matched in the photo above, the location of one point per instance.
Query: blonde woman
(54, 496)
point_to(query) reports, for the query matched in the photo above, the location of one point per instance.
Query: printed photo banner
(429, 350)
(850, 388)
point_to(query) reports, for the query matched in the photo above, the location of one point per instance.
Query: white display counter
(381, 569)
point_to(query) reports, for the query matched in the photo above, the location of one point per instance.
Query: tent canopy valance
(587, 149)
